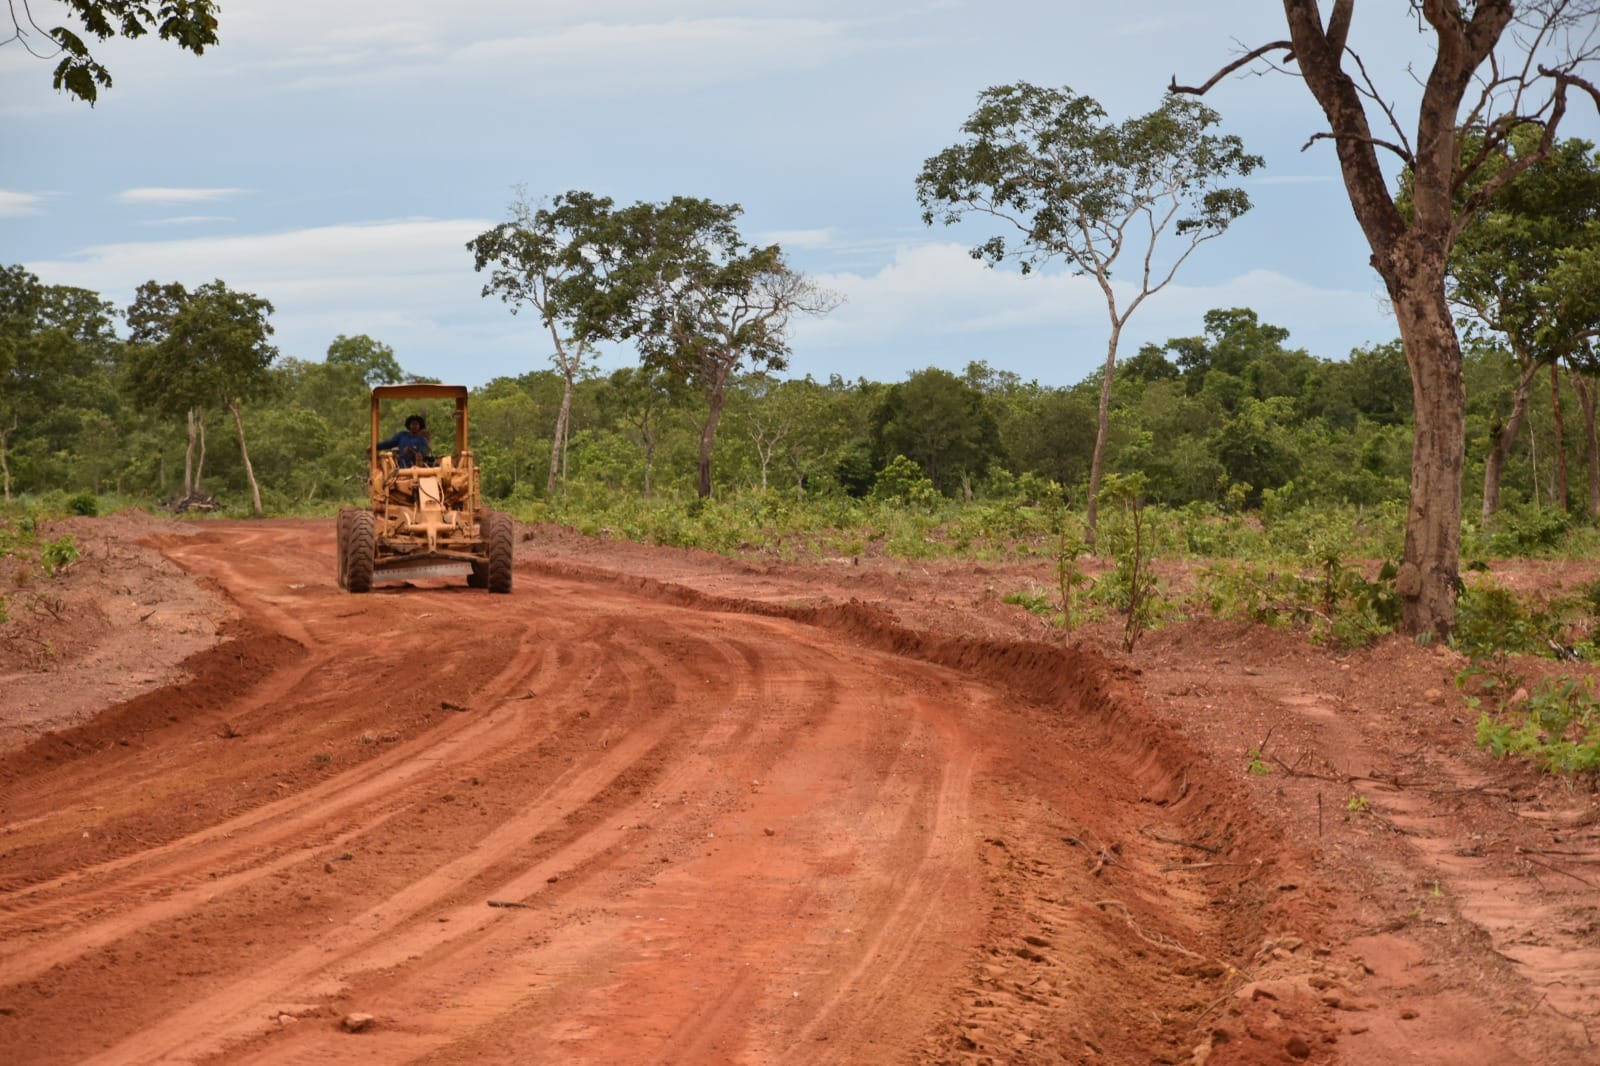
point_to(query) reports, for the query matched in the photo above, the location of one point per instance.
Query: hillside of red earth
(662, 806)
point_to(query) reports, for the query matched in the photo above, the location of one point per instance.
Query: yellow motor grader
(424, 517)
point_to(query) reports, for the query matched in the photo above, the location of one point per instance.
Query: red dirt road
(618, 818)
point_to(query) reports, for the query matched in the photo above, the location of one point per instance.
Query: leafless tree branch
(1249, 57)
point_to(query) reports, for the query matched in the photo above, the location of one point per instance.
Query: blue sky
(334, 158)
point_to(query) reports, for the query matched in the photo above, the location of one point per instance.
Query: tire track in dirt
(734, 832)
(763, 747)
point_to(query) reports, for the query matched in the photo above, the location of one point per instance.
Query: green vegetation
(24, 560)
(1556, 724)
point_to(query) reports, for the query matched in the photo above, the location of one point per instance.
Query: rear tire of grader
(500, 540)
(360, 551)
(342, 544)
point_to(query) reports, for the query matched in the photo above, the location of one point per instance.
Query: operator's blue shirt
(410, 446)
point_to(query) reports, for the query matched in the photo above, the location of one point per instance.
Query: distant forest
(117, 402)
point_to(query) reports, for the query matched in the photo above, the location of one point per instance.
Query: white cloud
(185, 220)
(157, 195)
(403, 281)
(591, 58)
(934, 298)
(797, 238)
(939, 288)
(17, 204)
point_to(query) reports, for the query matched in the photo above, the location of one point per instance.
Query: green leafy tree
(696, 299)
(190, 24)
(544, 257)
(1255, 446)
(1536, 52)
(57, 349)
(506, 420)
(943, 424)
(1523, 268)
(371, 360)
(1373, 383)
(209, 346)
(827, 418)
(1083, 189)
(641, 399)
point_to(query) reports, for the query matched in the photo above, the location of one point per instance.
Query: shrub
(1557, 728)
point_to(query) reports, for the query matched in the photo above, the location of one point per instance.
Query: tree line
(1229, 417)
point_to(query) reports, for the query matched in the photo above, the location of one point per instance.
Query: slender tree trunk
(649, 440)
(708, 437)
(558, 449)
(1585, 388)
(1561, 436)
(1430, 567)
(1500, 442)
(200, 460)
(1102, 431)
(5, 453)
(244, 454)
(188, 457)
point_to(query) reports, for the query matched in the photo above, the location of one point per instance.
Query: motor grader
(424, 516)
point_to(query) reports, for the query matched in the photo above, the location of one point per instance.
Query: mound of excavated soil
(660, 806)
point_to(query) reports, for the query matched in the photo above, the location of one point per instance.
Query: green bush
(1526, 530)
(1557, 728)
(58, 554)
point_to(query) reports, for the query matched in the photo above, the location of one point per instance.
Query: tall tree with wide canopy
(191, 24)
(697, 299)
(544, 257)
(1497, 66)
(1081, 188)
(202, 347)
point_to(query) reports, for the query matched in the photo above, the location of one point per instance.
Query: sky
(335, 158)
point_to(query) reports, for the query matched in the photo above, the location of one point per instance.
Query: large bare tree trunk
(1501, 439)
(244, 454)
(1585, 388)
(1561, 436)
(1102, 431)
(1431, 560)
(1410, 255)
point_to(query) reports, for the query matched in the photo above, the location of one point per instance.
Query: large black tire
(500, 540)
(360, 552)
(342, 542)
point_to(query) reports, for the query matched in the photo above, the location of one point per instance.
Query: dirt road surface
(664, 807)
